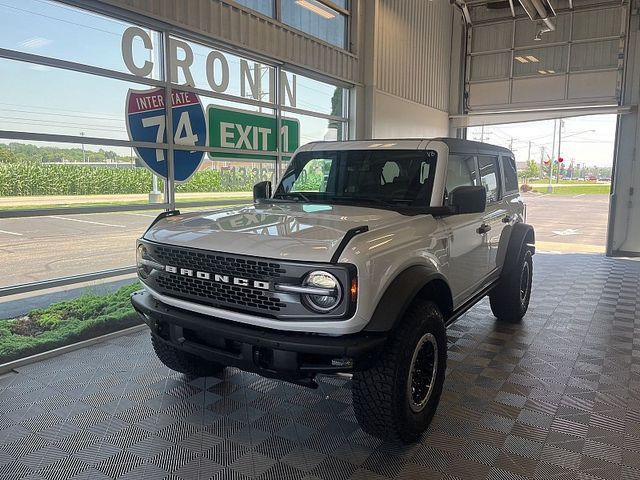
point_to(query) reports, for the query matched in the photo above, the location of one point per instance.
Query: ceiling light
(542, 72)
(316, 8)
(551, 71)
(533, 59)
(522, 60)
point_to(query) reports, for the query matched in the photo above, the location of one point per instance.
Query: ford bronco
(355, 263)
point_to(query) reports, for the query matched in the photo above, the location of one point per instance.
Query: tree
(532, 170)
(6, 155)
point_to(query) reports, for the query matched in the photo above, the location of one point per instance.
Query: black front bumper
(291, 356)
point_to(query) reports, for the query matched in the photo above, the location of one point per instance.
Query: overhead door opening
(569, 208)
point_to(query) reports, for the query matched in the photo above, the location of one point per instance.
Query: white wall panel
(230, 23)
(396, 117)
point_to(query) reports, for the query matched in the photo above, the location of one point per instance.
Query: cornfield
(31, 178)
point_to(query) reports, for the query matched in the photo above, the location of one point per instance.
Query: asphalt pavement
(40, 248)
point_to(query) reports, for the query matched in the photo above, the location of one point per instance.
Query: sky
(50, 100)
(587, 140)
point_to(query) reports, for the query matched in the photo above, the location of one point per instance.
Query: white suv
(356, 263)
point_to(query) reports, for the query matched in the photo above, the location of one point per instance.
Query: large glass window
(316, 18)
(323, 19)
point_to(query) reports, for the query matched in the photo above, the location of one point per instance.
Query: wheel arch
(522, 235)
(415, 282)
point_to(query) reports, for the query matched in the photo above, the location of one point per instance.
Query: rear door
(493, 221)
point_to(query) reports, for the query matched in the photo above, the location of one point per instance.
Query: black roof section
(459, 145)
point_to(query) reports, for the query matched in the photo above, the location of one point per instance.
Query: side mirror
(261, 191)
(468, 199)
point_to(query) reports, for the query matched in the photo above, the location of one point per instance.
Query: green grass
(577, 190)
(67, 322)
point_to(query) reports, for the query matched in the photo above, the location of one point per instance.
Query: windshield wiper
(297, 196)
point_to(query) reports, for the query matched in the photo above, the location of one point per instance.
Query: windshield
(384, 177)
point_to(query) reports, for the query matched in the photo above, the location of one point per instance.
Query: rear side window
(461, 171)
(490, 177)
(510, 174)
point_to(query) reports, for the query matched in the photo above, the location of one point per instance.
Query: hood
(293, 231)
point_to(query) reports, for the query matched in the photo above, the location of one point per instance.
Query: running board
(470, 303)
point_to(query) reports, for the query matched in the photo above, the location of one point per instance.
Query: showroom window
(85, 141)
(323, 19)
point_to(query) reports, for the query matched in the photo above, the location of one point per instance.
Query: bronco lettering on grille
(215, 277)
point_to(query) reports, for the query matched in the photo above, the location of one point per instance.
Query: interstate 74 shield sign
(146, 122)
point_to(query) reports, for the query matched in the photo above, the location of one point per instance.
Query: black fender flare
(522, 236)
(402, 291)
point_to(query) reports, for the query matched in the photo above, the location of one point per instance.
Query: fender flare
(522, 235)
(400, 294)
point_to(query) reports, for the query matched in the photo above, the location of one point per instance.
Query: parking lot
(40, 248)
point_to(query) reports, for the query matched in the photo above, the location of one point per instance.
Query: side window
(461, 171)
(510, 174)
(313, 177)
(490, 177)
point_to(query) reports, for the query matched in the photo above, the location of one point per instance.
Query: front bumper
(291, 356)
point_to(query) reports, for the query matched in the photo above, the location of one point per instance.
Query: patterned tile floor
(557, 396)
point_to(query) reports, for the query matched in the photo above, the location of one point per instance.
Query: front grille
(211, 262)
(218, 294)
(238, 282)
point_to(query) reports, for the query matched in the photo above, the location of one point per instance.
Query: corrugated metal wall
(229, 22)
(413, 45)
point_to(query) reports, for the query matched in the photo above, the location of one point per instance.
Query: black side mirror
(468, 199)
(261, 191)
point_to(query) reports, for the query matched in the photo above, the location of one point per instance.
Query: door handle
(507, 219)
(484, 228)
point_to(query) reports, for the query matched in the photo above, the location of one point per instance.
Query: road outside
(569, 223)
(41, 248)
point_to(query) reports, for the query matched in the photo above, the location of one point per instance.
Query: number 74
(184, 133)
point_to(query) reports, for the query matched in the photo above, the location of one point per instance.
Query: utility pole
(83, 157)
(553, 149)
(529, 152)
(559, 143)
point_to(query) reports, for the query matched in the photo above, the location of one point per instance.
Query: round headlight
(327, 300)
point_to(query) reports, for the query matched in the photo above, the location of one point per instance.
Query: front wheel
(510, 298)
(396, 397)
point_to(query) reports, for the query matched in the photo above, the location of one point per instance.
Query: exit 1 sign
(240, 130)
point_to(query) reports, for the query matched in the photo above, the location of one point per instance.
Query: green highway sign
(241, 130)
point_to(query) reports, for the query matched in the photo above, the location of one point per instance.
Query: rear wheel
(183, 362)
(396, 397)
(510, 298)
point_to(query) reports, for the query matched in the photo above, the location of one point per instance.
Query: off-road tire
(381, 398)
(508, 303)
(183, 362)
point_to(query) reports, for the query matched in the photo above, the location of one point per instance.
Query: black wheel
(183, 362)
(395, 397)
(510, 298)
